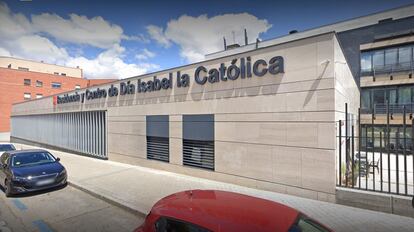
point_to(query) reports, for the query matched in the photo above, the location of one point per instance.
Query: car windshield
(6, 147)
(32, 158)
(305, 224)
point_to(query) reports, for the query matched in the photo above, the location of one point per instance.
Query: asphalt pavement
(63, 209)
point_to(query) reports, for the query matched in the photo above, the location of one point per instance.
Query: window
(63, 74)
(366, 99)
(39, 96)
(366, 62)
(378, 60)
(388, 60)
(23, 69)
(56, 85)
(27, 82)
(391, 56)
(27, 96)
(404, 55)
(404, 95)
(305, 224)
(77, 86)
(169, 225)
(56, 73)
(158, 142)
(39, 83)
(198, 141)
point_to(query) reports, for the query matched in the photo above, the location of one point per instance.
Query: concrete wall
(34, 66)
(275, 132)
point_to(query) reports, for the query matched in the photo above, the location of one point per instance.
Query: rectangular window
(56, 73)
(404, 95)
(77, 86)
(404, 56)
(27, 82)
(366, 98)
(27, 96)
(39, 83)
(158, 137)
(391, 56)
(63, 74)
(56, 85)
(378, 97)
(366, 62)
(23, 69)
(198, 141)
(378, 60)
(39, 96)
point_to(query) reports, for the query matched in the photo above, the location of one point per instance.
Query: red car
(211, 210)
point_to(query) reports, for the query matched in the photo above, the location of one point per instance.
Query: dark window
(56, 85)
(56, 73)
(27, 82)
(171, 225)
(158, 142)
(366, 98)
(379, 96)
(404, 55)
(198, 141)
(39, 83)
(391, 56)
(307, 225)
(396, 137)
(404, 95)
(63, 74)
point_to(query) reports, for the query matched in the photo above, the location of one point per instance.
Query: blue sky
(119, 39)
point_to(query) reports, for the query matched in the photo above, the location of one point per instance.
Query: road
(65, 209)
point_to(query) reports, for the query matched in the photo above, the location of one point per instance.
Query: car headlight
(63, 172)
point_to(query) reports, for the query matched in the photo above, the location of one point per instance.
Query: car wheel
(7, 189)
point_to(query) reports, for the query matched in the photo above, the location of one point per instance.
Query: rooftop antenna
(245, 37)
(225, 45)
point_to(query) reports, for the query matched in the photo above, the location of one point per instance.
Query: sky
(121, 39)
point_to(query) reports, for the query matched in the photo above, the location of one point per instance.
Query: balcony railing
(393, 108)
(388, 69)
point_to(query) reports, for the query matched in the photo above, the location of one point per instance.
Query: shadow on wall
(315, 84)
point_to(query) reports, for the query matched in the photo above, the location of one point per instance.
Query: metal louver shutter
(158, 148)
(198, 153)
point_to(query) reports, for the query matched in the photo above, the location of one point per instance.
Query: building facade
(265, 118)
(18, 85)
(40, 67)
(264, 115)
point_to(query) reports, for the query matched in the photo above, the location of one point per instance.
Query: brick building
(17, 85)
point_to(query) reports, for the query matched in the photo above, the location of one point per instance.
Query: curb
(109, 200)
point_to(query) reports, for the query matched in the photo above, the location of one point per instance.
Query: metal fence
(83, 132)
(375, 156)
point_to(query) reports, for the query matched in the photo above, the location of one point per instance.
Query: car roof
(226, 211)
(17, 152)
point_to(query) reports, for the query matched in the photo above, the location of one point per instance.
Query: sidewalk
(138, 188)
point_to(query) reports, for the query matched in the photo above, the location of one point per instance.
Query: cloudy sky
(120, 39)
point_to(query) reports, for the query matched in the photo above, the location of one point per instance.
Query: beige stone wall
(34, 66)
(275, 132)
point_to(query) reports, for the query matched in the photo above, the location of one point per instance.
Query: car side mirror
(57, 159)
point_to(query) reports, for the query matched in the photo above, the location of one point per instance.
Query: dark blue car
(30, 170)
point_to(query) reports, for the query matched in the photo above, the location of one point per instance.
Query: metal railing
(366, 159)
(393, 108)
(388, 69)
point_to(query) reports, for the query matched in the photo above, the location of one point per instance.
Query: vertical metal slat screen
(83, 132)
